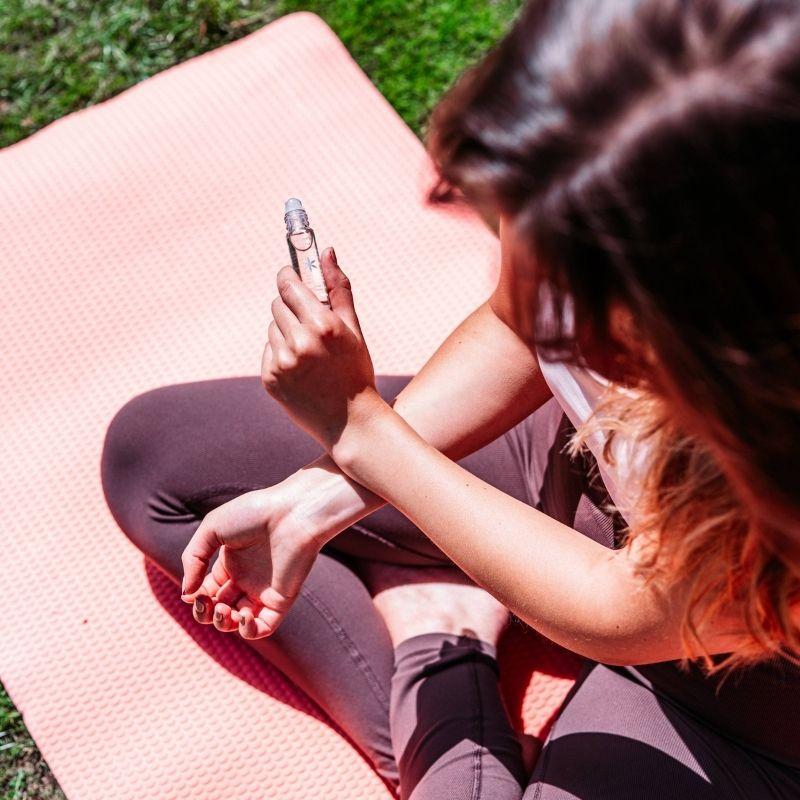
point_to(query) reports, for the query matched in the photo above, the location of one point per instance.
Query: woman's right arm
(481, 381)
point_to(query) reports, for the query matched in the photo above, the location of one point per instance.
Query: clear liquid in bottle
(303, 249)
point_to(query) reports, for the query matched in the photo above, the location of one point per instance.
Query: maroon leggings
(428, 714)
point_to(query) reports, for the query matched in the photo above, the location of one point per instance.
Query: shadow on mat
(238, 658)
(231, 653)
(523, 656)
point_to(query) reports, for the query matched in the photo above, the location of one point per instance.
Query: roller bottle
(303, 249)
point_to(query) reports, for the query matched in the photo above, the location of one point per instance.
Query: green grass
(412, 50)
(23, 772)
(57, 56)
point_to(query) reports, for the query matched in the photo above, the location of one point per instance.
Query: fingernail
(218, 616)
(333, 257)
(199, 606)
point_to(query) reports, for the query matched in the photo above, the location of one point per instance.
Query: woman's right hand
(267, 548)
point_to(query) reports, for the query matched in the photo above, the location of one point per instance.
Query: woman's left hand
(316, 363)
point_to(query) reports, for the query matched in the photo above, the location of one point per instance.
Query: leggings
(427, 714)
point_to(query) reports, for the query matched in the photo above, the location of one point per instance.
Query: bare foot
(417, 600)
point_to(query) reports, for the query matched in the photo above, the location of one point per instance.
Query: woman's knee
(133, 448)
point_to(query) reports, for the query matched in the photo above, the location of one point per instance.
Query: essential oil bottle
(303, 249)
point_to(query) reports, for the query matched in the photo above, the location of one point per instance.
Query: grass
(23, 772)
(58, 56)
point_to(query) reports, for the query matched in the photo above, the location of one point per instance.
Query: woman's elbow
(624, 638)
(633, 649)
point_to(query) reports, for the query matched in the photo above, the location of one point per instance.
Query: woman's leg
(173, 454)
(451, 733)
(450, 730)
(615, 737)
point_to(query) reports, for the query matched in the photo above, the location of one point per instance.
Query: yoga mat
(139, 241)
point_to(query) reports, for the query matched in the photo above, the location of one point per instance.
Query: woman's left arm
(575, 591)
(565, 585)
(584, 596)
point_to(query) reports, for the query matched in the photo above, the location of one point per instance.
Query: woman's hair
(646, 155)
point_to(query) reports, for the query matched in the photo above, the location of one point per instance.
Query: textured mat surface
(139, 241)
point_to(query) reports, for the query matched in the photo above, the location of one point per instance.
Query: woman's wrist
(366, 415)
(324, 501)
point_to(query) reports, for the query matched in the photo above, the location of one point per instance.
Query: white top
(578, 391)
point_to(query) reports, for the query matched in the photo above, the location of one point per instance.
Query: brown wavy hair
(646, 156)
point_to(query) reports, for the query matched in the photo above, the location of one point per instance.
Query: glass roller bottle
(303, 249)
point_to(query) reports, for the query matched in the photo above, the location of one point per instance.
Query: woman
(642, 160)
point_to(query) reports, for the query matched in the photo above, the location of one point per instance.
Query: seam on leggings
(478, 756)
(349, 645)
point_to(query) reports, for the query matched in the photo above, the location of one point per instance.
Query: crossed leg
(420, 698)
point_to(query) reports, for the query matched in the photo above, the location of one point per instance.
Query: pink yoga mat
(139, 240)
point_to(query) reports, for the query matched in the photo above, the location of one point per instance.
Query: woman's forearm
(570, 588)
(331, 500)
(481, 381)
